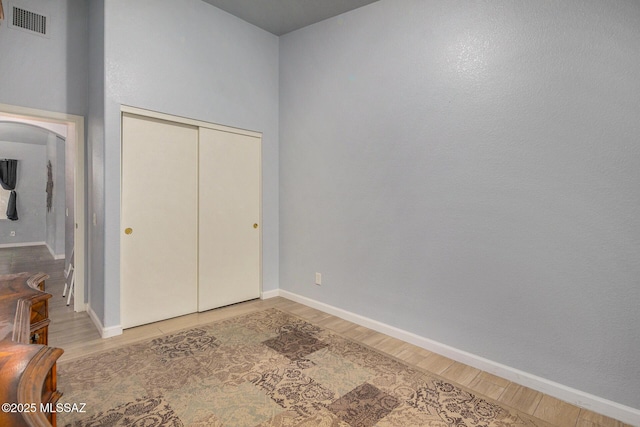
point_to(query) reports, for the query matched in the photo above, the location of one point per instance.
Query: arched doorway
(73, 126)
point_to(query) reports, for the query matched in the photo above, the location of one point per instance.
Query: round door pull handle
(128, 230)
(255, 225)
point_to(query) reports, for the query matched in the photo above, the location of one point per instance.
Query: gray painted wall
(462, 171)
(55, 218)
(31, 197)
(60, 200)
(469, 172)
(50, 216)
(69, 189)
(94, 288)
(201, 63)
(46, 73)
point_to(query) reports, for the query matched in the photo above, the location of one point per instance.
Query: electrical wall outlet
(12, 234)
(318, 279)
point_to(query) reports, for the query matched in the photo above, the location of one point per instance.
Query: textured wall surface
(201, 63)
(60, 200)
(55, 218)
(70, 205)
(48, 73)
(464, 171)
(95, 160)
(31, 201)
(469, 172)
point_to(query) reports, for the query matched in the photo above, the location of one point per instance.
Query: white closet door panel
(160, 206)
(229, 223)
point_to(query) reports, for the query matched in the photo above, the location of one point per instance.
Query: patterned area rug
(266, 369)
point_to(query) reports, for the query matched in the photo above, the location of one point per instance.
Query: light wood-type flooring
(77, 335)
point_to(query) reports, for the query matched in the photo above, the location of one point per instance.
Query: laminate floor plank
(520, 397)
(556, 411)
(78, 336)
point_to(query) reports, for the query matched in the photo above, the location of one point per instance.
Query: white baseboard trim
(18, 245)
(53, 254)
(109, 332)
(579, 398)
(270, 294)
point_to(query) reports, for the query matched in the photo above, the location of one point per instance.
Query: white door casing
(75, 136)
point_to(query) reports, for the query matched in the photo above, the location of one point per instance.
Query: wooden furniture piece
(27, 365)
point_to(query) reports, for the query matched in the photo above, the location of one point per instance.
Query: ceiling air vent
(29, 21)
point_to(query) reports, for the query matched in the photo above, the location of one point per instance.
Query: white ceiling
(29, 131)
(58, 128)
(282, 16)
(23, 133)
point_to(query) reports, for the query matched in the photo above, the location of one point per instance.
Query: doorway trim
(75, 134)
(186, 121)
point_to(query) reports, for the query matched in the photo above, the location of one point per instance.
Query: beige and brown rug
(266, 369)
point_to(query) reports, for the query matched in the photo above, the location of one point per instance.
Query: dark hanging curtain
(8, 176)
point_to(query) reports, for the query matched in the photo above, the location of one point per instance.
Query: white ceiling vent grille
(29, 21)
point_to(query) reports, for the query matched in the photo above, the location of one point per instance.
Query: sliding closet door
(159, 216)
(229, 237)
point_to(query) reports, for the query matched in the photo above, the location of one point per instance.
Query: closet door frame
(202, 124)
(159, 232)
(229, 222)
(186, 121)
